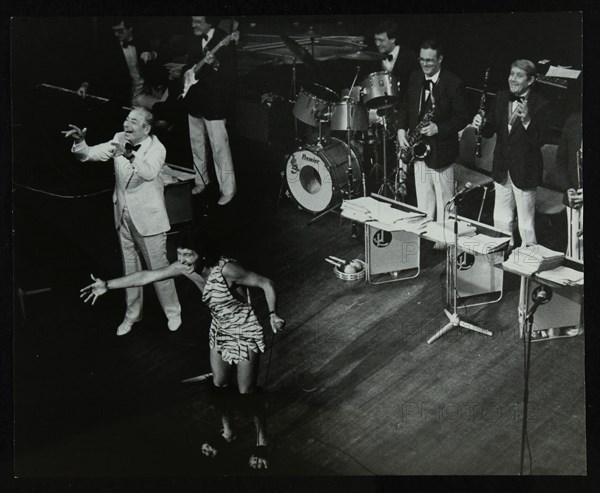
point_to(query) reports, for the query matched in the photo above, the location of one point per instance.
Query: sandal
(216, 445)
(259, 458)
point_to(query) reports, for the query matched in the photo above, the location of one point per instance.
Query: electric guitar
(189, 77)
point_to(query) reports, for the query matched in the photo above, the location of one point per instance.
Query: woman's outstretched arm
(141, 278)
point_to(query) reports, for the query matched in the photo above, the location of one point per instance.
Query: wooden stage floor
(353, 388)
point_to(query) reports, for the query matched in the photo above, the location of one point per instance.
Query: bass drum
(317, 175)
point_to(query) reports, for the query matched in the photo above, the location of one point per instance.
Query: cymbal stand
(399, 180)
(385, 184)
(294, 97)
(350, 170)
(451, 284)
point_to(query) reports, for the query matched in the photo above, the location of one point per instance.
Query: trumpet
(417, 148)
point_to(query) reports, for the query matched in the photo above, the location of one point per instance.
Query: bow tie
(127, 44)
(132, 148)
(390, 58)
(204, 37)
(427, 84)
(514, 97)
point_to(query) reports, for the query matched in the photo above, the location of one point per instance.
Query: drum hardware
(391, 183)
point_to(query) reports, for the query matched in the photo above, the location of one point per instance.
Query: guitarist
(208, 102)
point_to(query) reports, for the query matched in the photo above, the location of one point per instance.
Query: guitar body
(190, 75)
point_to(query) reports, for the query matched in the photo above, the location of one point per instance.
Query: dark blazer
(450, 115)
(406, 63)
(213, 96)
(520, 150)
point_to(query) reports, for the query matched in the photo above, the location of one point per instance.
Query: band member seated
(433, 111)
(518, 117)
(236, 338)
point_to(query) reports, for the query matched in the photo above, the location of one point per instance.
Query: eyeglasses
(426, 60)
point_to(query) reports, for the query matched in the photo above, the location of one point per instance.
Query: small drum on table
(317, 175)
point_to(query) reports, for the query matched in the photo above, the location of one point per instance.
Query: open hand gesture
(94, 290)
(77, 133)
(522, 112)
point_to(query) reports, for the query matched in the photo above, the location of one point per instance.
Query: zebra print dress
(234, 330)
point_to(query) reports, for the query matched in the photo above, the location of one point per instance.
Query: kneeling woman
(236, 337)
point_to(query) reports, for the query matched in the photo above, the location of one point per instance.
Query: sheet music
(482, 244)
(564, 276)
(566, 73)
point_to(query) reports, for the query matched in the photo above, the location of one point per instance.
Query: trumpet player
(427, 87)
(518, 119)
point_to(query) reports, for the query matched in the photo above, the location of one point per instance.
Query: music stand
(451, 287)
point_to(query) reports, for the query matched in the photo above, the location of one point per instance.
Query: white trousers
(219, 144)
(434, 188)
(507, 197)
(154, 250)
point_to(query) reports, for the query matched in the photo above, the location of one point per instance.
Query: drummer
(399, 60)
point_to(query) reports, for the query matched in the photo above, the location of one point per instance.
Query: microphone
(540, 296)
(464, 190)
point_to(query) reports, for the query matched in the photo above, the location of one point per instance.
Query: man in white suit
(139, 206)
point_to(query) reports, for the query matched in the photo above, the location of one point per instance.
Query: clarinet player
(519, 120)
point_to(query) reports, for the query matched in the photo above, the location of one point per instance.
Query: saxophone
(417, 149)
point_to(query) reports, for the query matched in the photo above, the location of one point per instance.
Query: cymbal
(363, 56)
(300, 52)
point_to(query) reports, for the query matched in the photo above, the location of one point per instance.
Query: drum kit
(319, 175)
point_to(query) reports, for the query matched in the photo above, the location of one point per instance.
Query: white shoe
(124, 328)
(174, 323)
(225, 199)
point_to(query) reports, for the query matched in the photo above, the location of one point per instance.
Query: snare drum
(380, 90)
(312, 105)
(316, 175)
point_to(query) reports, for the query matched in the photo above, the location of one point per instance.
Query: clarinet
(481, 112)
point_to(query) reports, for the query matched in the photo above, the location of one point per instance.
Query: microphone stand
(527, 363)
(451, 283)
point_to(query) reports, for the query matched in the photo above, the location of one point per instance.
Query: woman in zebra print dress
(236, 338)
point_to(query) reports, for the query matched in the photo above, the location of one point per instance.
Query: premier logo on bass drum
(310, 159)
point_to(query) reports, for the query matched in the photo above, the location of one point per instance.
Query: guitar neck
(201, 63)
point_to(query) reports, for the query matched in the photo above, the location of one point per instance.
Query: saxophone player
(518, 118)
(434, 173)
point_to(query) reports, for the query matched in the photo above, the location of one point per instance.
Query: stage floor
(352, 386)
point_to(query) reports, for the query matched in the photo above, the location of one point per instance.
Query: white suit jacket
(138, 185)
